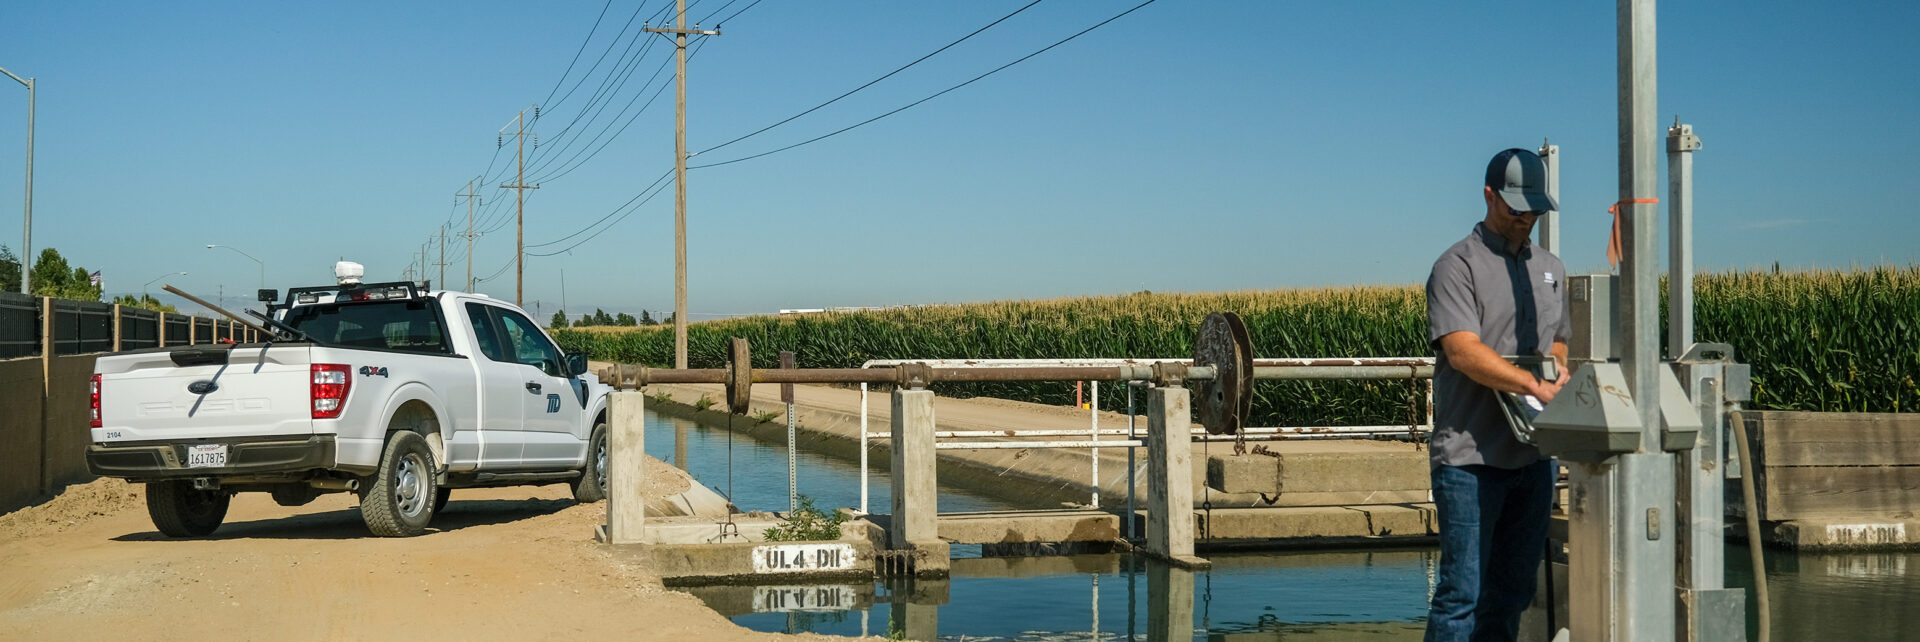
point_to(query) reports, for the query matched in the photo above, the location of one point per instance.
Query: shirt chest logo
(1547, 277)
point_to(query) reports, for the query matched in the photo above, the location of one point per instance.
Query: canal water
(1321, 595)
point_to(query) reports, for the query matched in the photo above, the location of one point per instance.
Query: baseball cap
(1520, 178)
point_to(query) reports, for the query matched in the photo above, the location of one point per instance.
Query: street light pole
(263, 265)
(143, 287)
(26, 234)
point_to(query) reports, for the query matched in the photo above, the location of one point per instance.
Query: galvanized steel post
(1681, 144)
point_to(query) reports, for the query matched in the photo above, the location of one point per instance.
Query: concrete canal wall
(1834, 480)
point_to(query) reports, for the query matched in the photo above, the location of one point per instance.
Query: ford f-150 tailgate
(205, 392)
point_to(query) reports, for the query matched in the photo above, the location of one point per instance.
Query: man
(1492, 294)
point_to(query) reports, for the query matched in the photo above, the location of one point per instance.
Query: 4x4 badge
(372, 371)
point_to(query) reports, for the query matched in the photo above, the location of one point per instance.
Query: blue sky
(1188, 146)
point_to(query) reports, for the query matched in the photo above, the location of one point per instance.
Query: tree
(585, 320)
(559, 319)
(646, 318)
(600, 317)
(145, 302)
(9, 270)
(624, 319)
(53, 277)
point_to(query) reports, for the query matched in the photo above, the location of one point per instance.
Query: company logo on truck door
(373, 371)
(553, 403)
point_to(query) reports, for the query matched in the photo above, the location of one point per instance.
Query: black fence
(81, 327)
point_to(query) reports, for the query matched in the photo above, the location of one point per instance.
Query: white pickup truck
(383, 389)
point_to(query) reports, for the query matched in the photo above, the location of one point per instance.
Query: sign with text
(794, 558)
(774, 599)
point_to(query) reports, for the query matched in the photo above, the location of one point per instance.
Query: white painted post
(626, 467)
(1094, 434)
(1131, 436)
(864, 473)
(915, 494)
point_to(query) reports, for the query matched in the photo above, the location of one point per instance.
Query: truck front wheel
(179, 510)
(591, 485)
(400, 497)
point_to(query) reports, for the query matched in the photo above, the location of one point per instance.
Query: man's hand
(1545, 391)
(1484, 366)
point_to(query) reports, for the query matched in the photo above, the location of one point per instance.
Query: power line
(621, 70)
(936, 95)
(582, 49)
(653, 189)
(742, 10)
(870, 83)
(570, 164)
(542, 165)
(602, 58)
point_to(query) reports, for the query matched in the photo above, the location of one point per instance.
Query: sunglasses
(1526, 212)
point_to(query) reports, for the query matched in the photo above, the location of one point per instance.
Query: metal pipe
(1197, 432)
(1321, 369)
(1013, 445)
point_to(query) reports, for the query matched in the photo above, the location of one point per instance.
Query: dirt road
(500, 564)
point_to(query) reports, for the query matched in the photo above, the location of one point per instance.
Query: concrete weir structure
(913, 538)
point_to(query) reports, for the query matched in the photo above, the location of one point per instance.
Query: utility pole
(469, 235)
(680, 33)
(443, 256)
(520, 188)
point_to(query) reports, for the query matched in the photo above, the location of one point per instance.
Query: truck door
(502, 391)
(551, 407)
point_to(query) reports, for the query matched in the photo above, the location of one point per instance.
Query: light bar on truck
(331, 382)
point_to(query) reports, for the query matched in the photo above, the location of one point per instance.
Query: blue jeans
(1493, 529)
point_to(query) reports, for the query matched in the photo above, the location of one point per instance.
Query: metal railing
(1411, 368)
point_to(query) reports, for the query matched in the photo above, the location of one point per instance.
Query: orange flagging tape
(1613, 243)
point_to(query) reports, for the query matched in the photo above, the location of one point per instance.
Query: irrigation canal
(1375, 594)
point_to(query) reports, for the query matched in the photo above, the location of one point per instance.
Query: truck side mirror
(269, 295)
(576, 364)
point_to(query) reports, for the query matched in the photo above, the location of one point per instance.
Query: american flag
(94, 278)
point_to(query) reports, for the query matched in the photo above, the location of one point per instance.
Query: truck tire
(400, 497)
(180, 511)
(591, 485)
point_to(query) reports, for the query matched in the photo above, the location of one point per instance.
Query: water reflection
(1834, 596)
(1378, 595)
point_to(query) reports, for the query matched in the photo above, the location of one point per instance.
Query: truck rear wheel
(591, 485)
(179, 510)
(400, 497)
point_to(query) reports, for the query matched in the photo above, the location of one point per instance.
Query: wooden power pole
(469, 235)
(520, 188)
(680, 33)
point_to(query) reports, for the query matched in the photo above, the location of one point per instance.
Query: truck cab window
(410, 326)
(530, 346)
(483, 331)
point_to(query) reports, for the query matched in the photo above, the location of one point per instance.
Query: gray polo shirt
(1516, 302)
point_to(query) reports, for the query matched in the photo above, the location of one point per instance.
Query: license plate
(207, 456)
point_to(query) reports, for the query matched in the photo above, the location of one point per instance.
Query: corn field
(1819, 340)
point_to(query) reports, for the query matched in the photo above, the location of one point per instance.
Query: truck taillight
(93, 401)
(329, 391)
